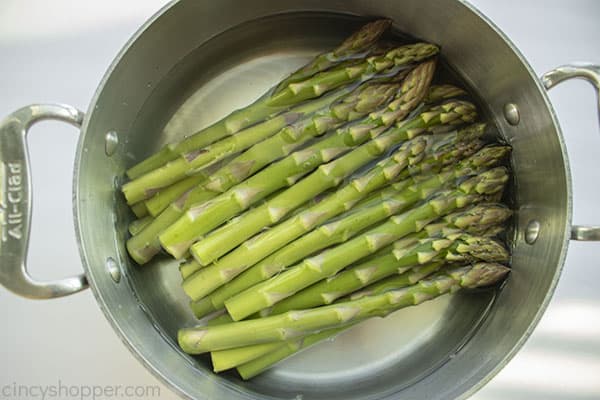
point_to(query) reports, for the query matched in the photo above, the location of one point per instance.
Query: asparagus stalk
(230, 358)
(262, 362)
(139, 209)
(442, 92)
(194, 154)
(148, 184)
(334, 232)
(360, 41)
(136, 226)
(440, 246)
(356, 104)
(355, 46)
(200, 220)
(217, 274)
(294, 324)
(440, 154)
(164, 197)
(188, 268)
(268, 354)
(468, 277)
(328, 263)
(145, 245)
(327, 176)
(167, 195)
(365, 99)
(394, 282)
(145, 185)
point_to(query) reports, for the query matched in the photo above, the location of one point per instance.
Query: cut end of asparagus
(141, 254)
(201, 308)
(156, 160)
(188, 339)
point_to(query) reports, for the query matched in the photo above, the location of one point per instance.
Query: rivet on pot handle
(15, 202)
(590, 73)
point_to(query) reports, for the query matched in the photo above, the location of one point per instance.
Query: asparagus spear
(167, 195)
(188, 268)
(481, 220)
(466, 277)
(328, 263)
(284, 350)
(272, 352)
(358, 103)
(439, 246)
(145, 245)
(332, 233)
(441, 92)
(202, 219)
(139, 209)
(148, 184)
(292, 94)
(439, 155)
(360, 41)
(230, 358)
(326, 176)
(164, 197)
(213, 276)
(303, 322)
(136, 226)
(367, 98)
(355, 46)
(279, 145)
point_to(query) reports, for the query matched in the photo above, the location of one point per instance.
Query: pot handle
(15, 202)
(590, 73)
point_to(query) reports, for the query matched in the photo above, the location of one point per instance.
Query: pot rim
(97, 291)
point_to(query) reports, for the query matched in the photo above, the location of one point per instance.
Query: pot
(176, 75)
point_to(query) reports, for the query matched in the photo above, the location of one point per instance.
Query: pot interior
(376, 359)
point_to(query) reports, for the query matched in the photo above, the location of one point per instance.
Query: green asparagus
(325, 177)
(139, 209)
(360, 41)
(358, 103)
(200, 220)
(449, 247)
(272, 352)
(148, 184)
(466, 277)
(328, 263)
(441, 92)
(367, 98)
(355, 46)
(137, 225)
(300, 323)
(329, 234)
(188, 268)
(441, 154)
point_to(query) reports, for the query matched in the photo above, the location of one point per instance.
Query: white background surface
(57, 51)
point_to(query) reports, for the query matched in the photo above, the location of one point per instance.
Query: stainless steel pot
(191, 64)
